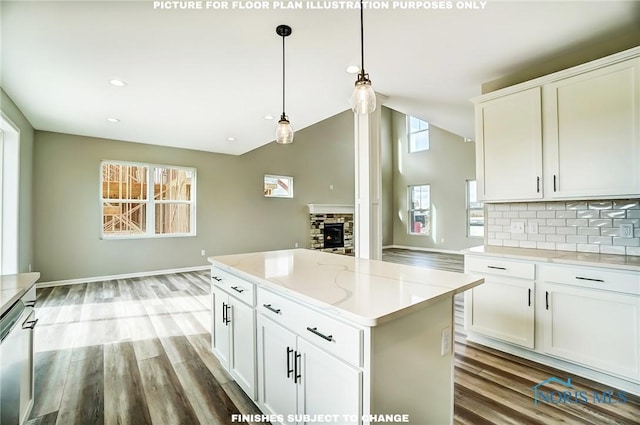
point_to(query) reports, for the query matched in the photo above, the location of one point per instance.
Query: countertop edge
(608, 261)
(32, 278)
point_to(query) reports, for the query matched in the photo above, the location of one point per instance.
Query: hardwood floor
(137, 351)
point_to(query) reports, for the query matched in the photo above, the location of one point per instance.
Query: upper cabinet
(509, 148)
(569, 135)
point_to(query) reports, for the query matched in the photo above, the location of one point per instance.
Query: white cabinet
(592, 317)
(27, 374)
(233, 330)
(298, 379)
(503, 307)
(568, 135)
(509, 147)
(592, 132)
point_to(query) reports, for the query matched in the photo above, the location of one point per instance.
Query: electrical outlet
(445, 341)
(203, 252)
(532, 228)
(626, 230)
(517, 227)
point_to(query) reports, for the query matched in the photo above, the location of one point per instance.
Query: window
(475, 212)
(278, 186)
(418, 134)
(419, 210)
(144, 200)
(9, 194)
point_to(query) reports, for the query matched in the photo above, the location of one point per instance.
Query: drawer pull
(321, 335)
(297, 373)
(496, 267)
(239, 290)
(538, 184)
(289, 369)
(546, 299)
(529, 302)
(30, 324)
(555, 183)
(268, 307)
(30, 304)
(590, 279)
(216, 278)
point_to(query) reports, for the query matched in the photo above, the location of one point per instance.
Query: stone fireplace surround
(319, 214)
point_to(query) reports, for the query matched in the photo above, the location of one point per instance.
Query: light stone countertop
(368, 292)
(13, 287)
(618, 262)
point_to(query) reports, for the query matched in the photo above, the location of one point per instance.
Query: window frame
(150, 202)
(410, 210)
(410, 134)
(469, 209)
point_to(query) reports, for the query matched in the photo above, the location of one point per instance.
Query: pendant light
(284, 132)
(363, 99)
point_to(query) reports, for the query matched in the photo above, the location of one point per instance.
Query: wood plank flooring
(137, 351)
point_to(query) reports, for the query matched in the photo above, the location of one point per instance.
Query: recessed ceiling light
(269, 117)
(353, 69)
(231, 139)
(117, 83)
(111, 119)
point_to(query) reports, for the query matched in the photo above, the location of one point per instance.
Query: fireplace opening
(333, 235)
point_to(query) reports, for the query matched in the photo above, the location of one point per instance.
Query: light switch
(517, 227)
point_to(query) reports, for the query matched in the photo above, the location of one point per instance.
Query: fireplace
(333, 235)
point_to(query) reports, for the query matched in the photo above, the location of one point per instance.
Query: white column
(368, 184)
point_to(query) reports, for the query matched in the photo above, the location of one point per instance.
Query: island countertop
(14, 286)
(368, 292)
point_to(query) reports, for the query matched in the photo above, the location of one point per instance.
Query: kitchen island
(312, 336)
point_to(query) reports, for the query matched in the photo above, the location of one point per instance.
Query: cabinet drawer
(592, 277)
(234, 285)
(500, 267)
(327, 333)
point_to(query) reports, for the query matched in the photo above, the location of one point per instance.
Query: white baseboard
(119, 276)
(417, 248)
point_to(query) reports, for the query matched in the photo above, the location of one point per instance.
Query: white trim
(10, 193)
(598, 63)
(418, 248)
(119, 276)
(330, 209)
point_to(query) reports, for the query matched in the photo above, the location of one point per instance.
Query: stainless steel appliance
(14, 359)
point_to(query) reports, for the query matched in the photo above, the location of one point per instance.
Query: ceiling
(197, 77)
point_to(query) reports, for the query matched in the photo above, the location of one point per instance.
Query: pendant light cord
(362, 37)
(283, 79)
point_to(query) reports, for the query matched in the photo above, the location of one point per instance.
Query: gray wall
(232, 213)
(446, 166)
(25, 217)
(386, 141)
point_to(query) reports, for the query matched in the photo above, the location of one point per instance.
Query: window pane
(419, 141)
(172, 184)
(173, 218)
(120, 181)
(123, 218)
(414, 124)
(419, 222)
(475, 211)
(420, 197)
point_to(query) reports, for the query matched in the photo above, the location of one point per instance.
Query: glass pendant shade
(284, 132)
(363, 99)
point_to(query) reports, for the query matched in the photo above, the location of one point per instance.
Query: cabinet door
(220, 334)
(276, 357)
(509, 147)
(242, 357)
(592, 132)
(594, 328)
(503, 308)
(328, 386)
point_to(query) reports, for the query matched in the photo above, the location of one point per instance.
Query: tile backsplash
(584, 226)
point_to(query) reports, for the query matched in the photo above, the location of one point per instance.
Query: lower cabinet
(27, 374)
(233, 338)
(298, 380)
(591, 326)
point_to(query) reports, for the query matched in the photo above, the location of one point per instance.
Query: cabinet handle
(289, 369)
(496, 267)
(546, 299)
(225, 314)
(529, 299)
(555, 183)
(216, 278)
(538, 184)
(590, 279)
(239, 290)
(268, 307)
(297, 369)
(31, 324)
(30, 304)
(321, 335)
